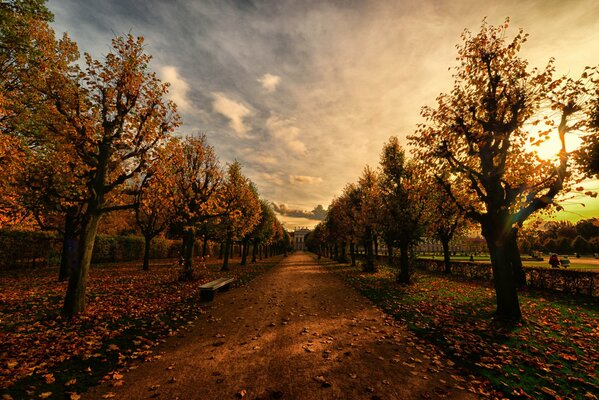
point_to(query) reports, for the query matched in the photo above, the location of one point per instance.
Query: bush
(28, 248)
(34, 248)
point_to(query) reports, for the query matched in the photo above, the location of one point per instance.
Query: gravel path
(296, 332)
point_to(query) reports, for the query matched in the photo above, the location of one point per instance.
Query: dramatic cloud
(284, 132)
(178, 87)
(317, 214)
(304, 179)
(305, 88)
(270, 82)
(235, 111)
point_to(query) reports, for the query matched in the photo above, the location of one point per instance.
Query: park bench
(207, 290)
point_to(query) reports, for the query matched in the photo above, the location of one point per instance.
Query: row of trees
(397, 204)
(474, 156)
(562, 237)
(80, 140)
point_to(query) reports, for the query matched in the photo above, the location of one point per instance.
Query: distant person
(554, 261)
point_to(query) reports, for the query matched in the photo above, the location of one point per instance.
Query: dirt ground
(296, 332)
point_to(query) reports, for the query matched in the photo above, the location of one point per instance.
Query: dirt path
(296, 332)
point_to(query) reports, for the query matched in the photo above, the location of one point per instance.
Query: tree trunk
(343, 255)
(228, 249)
(446, 258)
(147, 242)
(368, 248)
(404, 264)
(254, 251)
(205, 246)
(390, 254)
(68, 258)
(516, 261)
(74, 301)
(508, 306)
(352, 253)
(187, 249)
(376, 246)
(220, 251)
(244, 252)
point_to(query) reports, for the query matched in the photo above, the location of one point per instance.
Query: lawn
(583, 263)
(553, 354)
(129, 312)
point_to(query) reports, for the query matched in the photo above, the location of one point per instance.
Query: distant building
(298, 237)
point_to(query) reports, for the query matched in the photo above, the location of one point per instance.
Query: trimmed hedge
(570, 281)
(26, 249)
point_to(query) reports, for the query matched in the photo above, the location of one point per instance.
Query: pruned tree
(196, 177)
(154, 209)
(240, 208)
(483, 132)
(403, 200)
(110, 117)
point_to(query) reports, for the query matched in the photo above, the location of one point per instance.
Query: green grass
(555, 348)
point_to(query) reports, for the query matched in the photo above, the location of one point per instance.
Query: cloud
(304, 179)
(263, 159)
(318, 213)
(285, 132)
(269, 82)
(178, 87)
(235, 111)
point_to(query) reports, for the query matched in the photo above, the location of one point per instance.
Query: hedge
(570, 281)
(27, 249)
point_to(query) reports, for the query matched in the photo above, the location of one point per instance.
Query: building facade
(299, 238)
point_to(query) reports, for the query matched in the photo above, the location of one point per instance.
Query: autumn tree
(368, 207)
(196, 177)
(403, 203)
(110, 116)
(444, 218)
(240, 208)
(263, 230)
(587, 155)
(19, 22)
(154, 210)
(481, 133)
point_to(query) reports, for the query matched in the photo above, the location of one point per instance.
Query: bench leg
(206, 296)
(225, 288)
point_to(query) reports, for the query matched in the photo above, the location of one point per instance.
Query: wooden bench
(207, 290)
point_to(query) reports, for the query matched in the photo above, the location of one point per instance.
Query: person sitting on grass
(554, 261)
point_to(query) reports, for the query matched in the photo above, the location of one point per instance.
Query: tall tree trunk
(446, 255)
(404, 263)
(508, 305)
(74, 301)
(352, 253)
(516, 261)
(254, 251)
(343, 255)
(221, 250)
(368, 248)
(390, 253)
(336, 252)
(205, 246)
(147, 242)
(244, 252)
(69, 257)
(187, 249)
(376, 246)
(228, 246)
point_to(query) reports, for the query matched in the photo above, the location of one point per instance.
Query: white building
(299, 235)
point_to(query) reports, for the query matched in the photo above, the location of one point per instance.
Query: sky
(305, 93)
